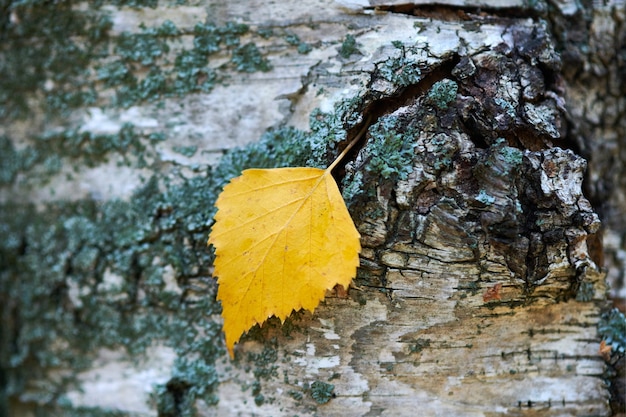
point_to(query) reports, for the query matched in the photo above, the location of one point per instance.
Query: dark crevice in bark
(407, 95)
(375, 107)
(135, 279)
(174, 402)
(502, 207)
(459, 13)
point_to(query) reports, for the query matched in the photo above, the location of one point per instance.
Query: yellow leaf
(282, 237)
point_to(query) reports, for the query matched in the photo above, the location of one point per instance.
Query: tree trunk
(494, 146)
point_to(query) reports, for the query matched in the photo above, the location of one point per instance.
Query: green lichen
(135, 4)
(96, 269)
(192, 379)
(390, 149)
(388, 155)
(187, 151)
(276, 148)
(144, 53)
(259, 399)
(505, 107)
(68, 411)
(612, 329)
(540, 7)
(442, 93)
(47, 49)
(502, 160)
(56, 51)
(419, 25)
(52, 149)
(509, 154)
(326, 128)
(248, 58)
(191, 72)
(304, 48)
(12, 161)
(472, 287)
(296, 395)
(485, 198)
(401, 71)
(419, 345)
(264, 363)
(292, 39)
(301, 47)
(441, 151)
(348, 47)
(353, 186)
(67, 310)
(43, 54)
(144, 48)
(322, 392)
(330, 129)
(265, 33)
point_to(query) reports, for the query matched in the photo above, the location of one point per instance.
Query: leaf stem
(350, 145)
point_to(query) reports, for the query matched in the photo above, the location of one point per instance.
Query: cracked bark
(469, 299)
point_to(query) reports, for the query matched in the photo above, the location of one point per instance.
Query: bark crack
(460, 13)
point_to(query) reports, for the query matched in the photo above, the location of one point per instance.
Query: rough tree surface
(489, 191)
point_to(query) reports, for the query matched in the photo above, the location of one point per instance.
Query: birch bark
(495, 147)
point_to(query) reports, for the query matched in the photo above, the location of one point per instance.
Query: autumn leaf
(282, 237)
(605, 351)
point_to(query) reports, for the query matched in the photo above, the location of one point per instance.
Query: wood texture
(475, 212)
